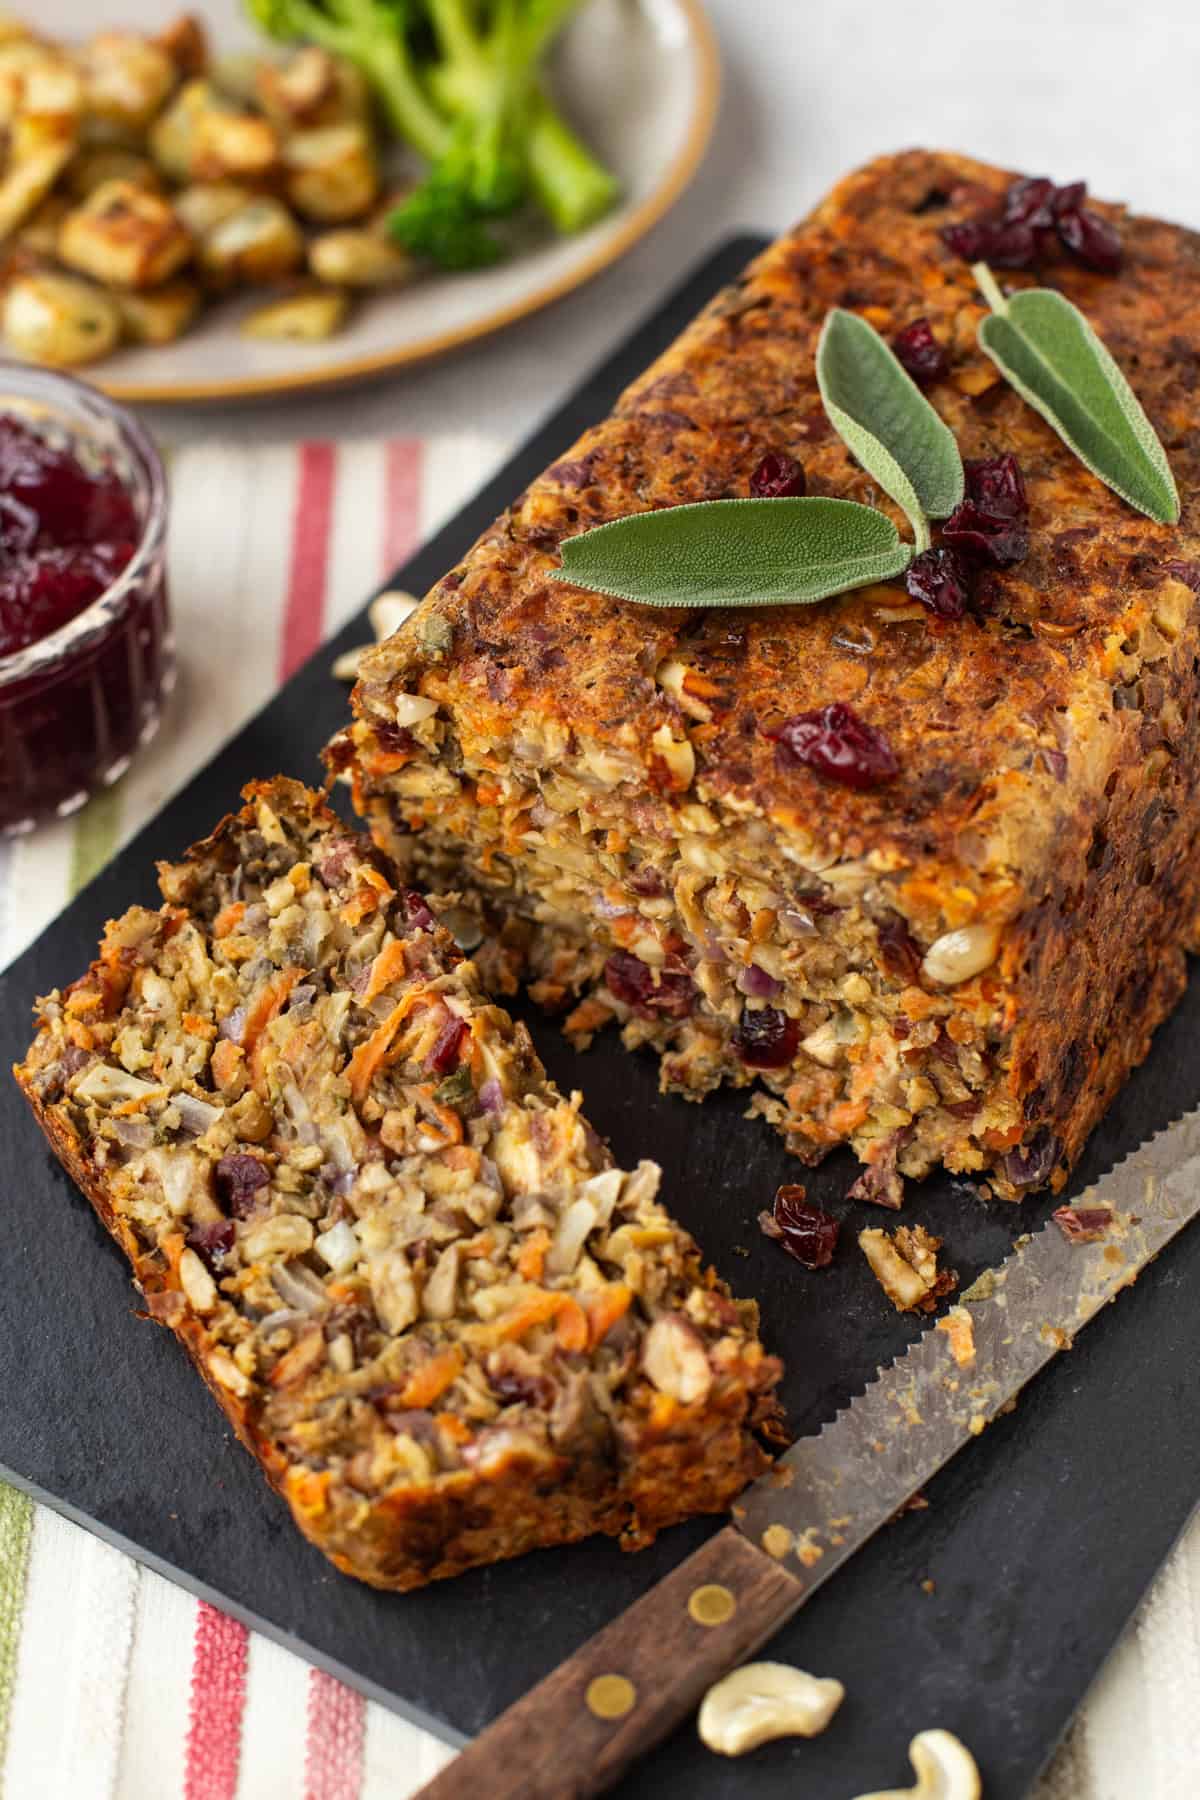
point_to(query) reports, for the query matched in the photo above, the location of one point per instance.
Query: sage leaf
(880, 413)
(737, 553)
(1046, 349)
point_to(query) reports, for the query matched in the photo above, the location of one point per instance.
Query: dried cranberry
(417, 915)
(630, 980)
(990, 523)
(238, 1178)
(804, 1231)
(394, 739)
(646, 881)
(940, 580)
(573, 474)
(881, 1183)
(1091, 240)
(1003, 245)
(766, 1038)
(898, 952)
(835, 742)
(334, 866)
(444, 1055)
(1031, 202)
(996, 486)
(778, 476)
(1070, 197)
(1083, 1224)
(975, 534)
(1029, 1165)
(1033, 210)
(212, 1242)
(511, 1389)
(919, 352)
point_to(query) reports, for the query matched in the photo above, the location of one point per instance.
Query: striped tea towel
(114, 1684)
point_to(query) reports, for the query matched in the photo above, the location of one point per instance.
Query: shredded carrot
(225, 1062)
(535, 1311)
(572, 1327)
(84, 1000)
(268, 1003)
(453, 1427)
(308, 1489)
(531, 1262)
(995, 1139)
(366, 898)
(427, 1383)
(348, 1291)
(79, 1035)
(850, 1114)
(260, 1015)
(135, 1105)
(229, 918)
(196, 1026)
(604, 1308)
(386, 762)
(372, 1053)
(443, 1120)
(390, 965)
(662, 1412)
(172, 1247)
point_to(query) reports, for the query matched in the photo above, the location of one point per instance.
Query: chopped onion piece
(197, 1115)
(339, 1247)
(298, 1286)
(109, 1087)
(579, 1218)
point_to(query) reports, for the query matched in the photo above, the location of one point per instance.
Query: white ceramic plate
(638, 78)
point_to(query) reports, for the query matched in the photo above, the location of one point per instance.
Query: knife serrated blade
(628, 1686)
(830, 1492)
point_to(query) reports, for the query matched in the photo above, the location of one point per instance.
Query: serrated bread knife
(578, 1731)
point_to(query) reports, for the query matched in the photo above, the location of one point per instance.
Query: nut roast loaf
(960, 966)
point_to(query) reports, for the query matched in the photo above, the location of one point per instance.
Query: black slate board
(1039, 1540)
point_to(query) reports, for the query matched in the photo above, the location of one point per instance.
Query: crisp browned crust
(1048, 746)
(337, 1431)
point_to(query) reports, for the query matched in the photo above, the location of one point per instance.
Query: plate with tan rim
(638, 79)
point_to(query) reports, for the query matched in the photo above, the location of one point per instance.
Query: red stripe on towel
(401, 502)
(312, 521)
(333, 1753)
(214, 1739)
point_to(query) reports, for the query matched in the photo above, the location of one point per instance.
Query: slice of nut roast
(449, 1329)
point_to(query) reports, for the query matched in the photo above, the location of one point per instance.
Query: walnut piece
(905, 1266)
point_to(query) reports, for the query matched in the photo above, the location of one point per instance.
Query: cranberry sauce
(85, 654)
(65, 535)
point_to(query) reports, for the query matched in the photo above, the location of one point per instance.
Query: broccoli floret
(458, 80)
(569, 184)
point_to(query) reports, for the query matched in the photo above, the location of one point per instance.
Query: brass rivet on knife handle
(610, 1696)
(633, 1683)
(711, 1604)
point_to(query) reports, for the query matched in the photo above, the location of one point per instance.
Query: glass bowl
(78, 703)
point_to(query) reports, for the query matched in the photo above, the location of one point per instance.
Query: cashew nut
(387, 612)
(945, 1770)
(766, 1700)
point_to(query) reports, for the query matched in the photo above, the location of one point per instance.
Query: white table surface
(1102, 89)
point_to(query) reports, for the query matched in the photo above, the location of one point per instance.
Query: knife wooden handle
(578, 1731)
